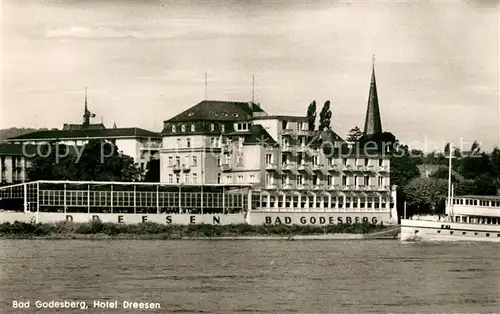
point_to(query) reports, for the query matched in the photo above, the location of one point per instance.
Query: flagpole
(449, 182)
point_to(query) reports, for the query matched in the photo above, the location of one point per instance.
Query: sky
(436, 63)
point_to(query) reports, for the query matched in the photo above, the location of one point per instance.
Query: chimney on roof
(251, 105)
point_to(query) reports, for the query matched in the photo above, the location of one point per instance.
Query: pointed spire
(114, 125)
(373, 125)
(86, 112)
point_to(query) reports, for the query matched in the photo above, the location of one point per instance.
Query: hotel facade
(290, 167)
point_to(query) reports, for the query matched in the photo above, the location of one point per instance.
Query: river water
(253, 276)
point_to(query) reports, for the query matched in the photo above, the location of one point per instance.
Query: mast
(253, 88)
(448, 211)
(206, 85)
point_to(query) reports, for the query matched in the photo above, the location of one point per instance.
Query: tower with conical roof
(373, 125)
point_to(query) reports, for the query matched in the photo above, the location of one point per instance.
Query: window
(218, 161)
(174, 129)
(366, 161)
(299, 179)
(316, 160)
(195, 161)
(195, 178)
(183, 128)
(178, 142)
(240, 179)
(177, 160)
(269, 178)
(380, 181)
(212, 127)
(186, 178)
(344, 180)
(329, 180)
(228, 179)
(178, 178)
(269, 159)
(367, 181)
(192, 128)
(252, 178)
(170, 161)
(188, 142)
(218, 178)
(186, 160)
(284, 179)
(345, 161)
(222, 128)
(212, 142)
(380, 162)
(284, 125)
(170, 178)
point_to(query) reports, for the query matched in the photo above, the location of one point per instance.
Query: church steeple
(86, 112)
(373, 125)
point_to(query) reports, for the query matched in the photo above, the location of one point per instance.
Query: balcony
(348, 187)
(288, 149)
(347, 168)
(271, 166)
(333, 167)
(319, 186)
(226, 166)
(361, 188)
(308, 151)
(227, 148)
(289, 166)
(271, 185)
(303, 132)
(305, 167)
(288, 132)
(177, 168)
(151, 146)
(360, 168)
(383, 188)
(383, 169)
(186, 168)
(369, 168)
(287, 186)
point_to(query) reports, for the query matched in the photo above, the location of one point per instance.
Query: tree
(311, 116)
(426, 195)
(384, 142)
(495, 163)
(475, 148)
(325, 117)
(152, 171)
(447, 149)
(474, 166)
(99, 161)
(403, 168)
(354, 134)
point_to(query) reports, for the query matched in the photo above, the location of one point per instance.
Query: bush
(177, 231)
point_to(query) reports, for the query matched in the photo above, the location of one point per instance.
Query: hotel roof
(27, 150)
(76, 134)
(218, 111)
